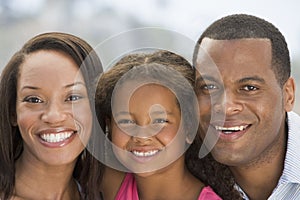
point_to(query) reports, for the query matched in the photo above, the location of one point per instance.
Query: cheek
(204, 105)
(26, 120)
(119, 138)
(83, 115)
(269, 109)
(168, 134)
(86, 124)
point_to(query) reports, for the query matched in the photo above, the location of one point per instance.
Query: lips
(229, 131)
(56, 137)
(144, 153)
(232, 129)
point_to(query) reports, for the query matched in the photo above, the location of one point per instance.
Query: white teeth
(234, 128)
(57, 137)
(145, 153)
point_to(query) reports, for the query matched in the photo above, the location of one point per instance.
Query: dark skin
(243, 104)
(172, 181)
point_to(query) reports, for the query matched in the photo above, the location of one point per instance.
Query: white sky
(190, 17)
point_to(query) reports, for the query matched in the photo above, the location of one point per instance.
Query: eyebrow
(205, 77)
(251, 78)
(243, 80)
(67, 86)
(74, 84)
(155, 112)
(161, 112)
(122, 113)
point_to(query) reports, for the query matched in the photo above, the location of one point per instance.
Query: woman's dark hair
(11, 143)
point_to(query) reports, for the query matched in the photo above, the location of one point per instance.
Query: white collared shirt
(288, 187)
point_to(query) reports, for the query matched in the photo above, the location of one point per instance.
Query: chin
(145, 174)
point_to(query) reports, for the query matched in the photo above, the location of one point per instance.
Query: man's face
(240, 100)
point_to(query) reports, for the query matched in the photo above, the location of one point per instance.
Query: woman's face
(146, 131)
(53, 110)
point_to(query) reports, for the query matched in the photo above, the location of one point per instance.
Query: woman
(128, 98)
(46, 118)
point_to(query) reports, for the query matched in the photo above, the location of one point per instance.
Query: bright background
(97, 20)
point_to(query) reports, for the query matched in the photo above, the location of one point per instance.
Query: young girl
(147, 103)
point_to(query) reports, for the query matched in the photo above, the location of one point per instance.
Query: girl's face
(53, 110)
(146, 130)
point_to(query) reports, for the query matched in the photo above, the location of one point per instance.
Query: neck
(259, 178)
(49, 182)
(172, 182)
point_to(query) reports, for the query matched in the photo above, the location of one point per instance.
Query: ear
(289, 94)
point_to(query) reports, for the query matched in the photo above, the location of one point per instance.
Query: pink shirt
(128, 191)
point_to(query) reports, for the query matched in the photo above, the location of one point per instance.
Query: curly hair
(207, 169)
(211, 172)
(241, 26)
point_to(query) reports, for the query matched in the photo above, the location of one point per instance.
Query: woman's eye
(160, 121)
(33, 100)
(74, 98)
(249, 88)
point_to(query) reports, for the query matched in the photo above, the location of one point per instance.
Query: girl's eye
(125, 121)
(73, 98)
(249, 88)
(33, 100)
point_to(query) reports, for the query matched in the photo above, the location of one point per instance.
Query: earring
(83, 154)
(106, 131)
(106, 145)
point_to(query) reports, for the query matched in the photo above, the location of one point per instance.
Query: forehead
(235, 56)
(48, 65)
(142, 91)
(134, 94)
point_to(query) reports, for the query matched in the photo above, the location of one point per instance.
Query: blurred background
(98, 20)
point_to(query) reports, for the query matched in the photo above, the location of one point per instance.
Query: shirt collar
(291, 172)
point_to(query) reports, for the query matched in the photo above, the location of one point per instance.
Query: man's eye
(33, 100)
(209, 87)
(73, 98)
(249, 88)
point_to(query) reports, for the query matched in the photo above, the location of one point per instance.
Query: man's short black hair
(241, 26)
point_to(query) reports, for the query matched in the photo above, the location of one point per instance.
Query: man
(245, 96)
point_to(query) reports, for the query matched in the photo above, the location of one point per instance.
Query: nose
(54, 113)
(228, 103)
(141, 140)
(144, 133)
